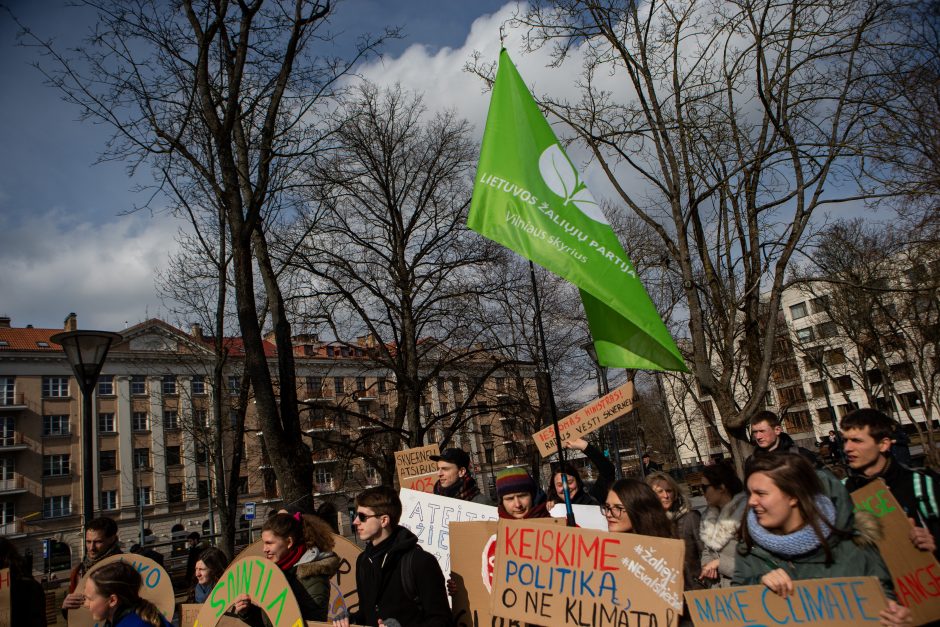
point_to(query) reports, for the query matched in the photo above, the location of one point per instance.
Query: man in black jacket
(396, 580)
(768, 437)
(867, 434)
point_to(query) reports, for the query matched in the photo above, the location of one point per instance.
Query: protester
(649, 466)
(301, 546)
(724, 494)
(800, 525)
(868, 434)
(454, 479)
(196, 548)
(836, 447)
(901, 445)
(208, 570)
(768, 437)
(112, 595)
(29, 609)
(101, 541)
(687, 521)
(576, 490)
(632, 507)
(395, 579)
(518, 496)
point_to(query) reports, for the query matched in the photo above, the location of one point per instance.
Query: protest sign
(557, 575)
(260, 579)
(255, 549)
(428, 517)
(157, 587)
(190, 611)
(415, 463)
(916, 573)
(5, 598)
(836, 602)
(343, 594)
(473, 554)
(588, 419)
(585, 516)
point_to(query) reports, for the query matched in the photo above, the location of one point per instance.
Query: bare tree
(736, 117)
(223, 95)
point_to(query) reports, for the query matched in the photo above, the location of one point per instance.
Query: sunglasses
(362, 516)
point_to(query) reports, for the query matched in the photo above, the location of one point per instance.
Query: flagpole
(569, 512)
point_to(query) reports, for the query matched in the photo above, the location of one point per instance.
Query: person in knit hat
(518, 496)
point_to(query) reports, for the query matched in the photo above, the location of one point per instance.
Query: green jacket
(857, 556)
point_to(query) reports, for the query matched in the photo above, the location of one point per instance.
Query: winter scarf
(202, 592)
(720, 526)
(292, 556)
(678, 512)
(465, 489)
(799, 542)
(87, 563)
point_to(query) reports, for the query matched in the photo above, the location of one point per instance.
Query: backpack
(925, 495)
(409, 576)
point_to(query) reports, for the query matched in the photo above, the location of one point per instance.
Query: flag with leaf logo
(529, 197)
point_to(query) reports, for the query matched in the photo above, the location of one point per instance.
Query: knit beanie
(513, 480)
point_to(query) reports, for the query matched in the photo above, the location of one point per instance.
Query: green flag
(529, 197)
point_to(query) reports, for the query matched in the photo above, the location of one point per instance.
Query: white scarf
(720, 526)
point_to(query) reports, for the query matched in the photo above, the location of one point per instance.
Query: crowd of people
(787, 519)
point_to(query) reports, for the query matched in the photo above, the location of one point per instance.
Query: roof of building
(28, 339)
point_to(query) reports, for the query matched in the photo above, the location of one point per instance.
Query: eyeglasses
(617, 511)
(362, 516)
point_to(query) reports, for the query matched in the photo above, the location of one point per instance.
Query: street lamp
(610, 432)
(86, 352)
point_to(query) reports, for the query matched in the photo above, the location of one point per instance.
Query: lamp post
(610, 431)
(86, 352)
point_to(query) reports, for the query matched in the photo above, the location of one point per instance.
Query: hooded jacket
(309, 580)
(855, 556)
(594, 494)
(719, 531)
(382, 593)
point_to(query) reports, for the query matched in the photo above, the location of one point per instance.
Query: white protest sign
(428, 516)
(585, 516)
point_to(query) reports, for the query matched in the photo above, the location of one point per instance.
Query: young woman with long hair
(302, 548)
(800, 525)
(675, 503)
(632, 507)
(208, 570)
(112, 595)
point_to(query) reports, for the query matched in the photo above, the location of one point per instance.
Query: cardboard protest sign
(5, 599)
(343, 594)
(836, 602)
(428, 517)
(585, 516)
(557, 575)
(413, 463)
(473, 555)
(260, 579)
(190, 611)
(588, 419)
(916, 573)
(255, 549)
(157, 587)
(419, 483)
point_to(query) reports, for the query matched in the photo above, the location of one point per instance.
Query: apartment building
(153, 415)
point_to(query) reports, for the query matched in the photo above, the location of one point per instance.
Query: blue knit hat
(513, 480)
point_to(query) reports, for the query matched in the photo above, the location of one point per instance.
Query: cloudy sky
(69, 240)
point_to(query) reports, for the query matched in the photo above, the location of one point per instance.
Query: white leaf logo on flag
(562, 178)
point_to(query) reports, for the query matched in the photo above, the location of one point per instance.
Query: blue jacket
(130, 618)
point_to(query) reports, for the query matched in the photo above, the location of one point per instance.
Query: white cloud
(104, 272)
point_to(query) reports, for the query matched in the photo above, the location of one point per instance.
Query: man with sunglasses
(397, 581)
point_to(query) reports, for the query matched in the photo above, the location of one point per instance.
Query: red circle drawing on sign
(489, 562)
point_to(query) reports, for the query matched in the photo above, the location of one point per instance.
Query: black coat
(382, 593)
(785, 444)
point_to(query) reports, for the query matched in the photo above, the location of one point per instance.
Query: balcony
(15, 402)
(12, 442)
(11, 486)
(364, 396)
(323, 457)
(320, 426)
(13, 529)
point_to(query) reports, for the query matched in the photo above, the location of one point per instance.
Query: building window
(144, 496)
(57, 424)
(106, 385)
(174, 493)
(791, 394)
(835, 356)
(55, 465)
(886, 405)
(201, 453)
(819, 304)
(138, 384)
(109, 500)
(169, 384)
(383, 412)
(234, 384)
(818, 389)
(844, 383)
(55, 387)
(874, 377)
(827, 329)
(107, 461)
(314, 386)
(846, 408)
(902, 371)
(7, 385)
(798, 421)
(798, 311)
(173, 457)
(486, 430)
(823, 416)
(911, 400)
(202, 489)
(56, 506)
(380, 383)
(140, 421)
(141, 458)
(360, 384)
(338, 386)
(804, 335)
(198, 384)
(106, 422)
(171, 419)
(242, 487)
(201, 418)
(372, 476)
(500, 384)
(324, 479)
